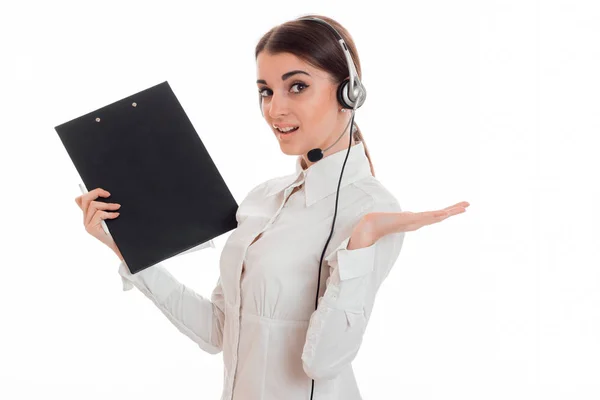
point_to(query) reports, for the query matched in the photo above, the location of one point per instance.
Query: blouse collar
(322, 177)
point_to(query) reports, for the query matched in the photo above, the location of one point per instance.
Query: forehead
(270, 67)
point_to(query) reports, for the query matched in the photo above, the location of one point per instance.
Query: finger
(88, 197)
(453, 210)
(98, 216)
(437, 213)
(420, 219)
(442, 215)
(461, 204)
(429, 215)
(99, 205)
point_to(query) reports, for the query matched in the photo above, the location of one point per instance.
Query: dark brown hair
(316, 45)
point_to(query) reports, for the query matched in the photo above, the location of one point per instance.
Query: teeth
(286, 129)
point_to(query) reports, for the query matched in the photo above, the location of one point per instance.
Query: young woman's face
(305, 99)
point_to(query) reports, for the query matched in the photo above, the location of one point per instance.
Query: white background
(492, 102)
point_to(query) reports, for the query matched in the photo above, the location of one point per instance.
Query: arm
(337, 327)
(196, 317)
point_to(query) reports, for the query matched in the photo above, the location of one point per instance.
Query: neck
(342, 144)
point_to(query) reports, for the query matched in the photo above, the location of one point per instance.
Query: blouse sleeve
(337, 327)
(196, 317)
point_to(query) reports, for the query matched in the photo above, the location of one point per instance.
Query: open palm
(378, 224)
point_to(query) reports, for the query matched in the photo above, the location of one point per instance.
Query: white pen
(84, 191)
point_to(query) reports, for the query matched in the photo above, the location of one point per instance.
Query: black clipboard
(144, 150)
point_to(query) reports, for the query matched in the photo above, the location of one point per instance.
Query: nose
(277, 106)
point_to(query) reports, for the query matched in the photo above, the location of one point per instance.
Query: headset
(351, 94)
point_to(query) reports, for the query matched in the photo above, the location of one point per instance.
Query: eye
(301, 84)
(295, 84)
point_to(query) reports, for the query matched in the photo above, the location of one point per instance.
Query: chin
(290, 150)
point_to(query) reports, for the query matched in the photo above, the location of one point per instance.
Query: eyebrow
(285, 76)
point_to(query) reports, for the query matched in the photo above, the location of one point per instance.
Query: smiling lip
(277, 127)
(285, 125)
(284, 135)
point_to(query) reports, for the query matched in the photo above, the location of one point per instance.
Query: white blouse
(261, 314)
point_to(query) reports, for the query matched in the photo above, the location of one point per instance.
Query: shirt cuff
(123, 270)
(349, 277)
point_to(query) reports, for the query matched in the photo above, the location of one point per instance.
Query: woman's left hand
(378, 224)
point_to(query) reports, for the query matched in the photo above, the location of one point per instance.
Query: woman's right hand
(93, 214)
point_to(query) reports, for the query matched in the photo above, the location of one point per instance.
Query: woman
(261, 313)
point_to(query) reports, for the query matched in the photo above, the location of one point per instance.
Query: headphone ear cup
(342, 95)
